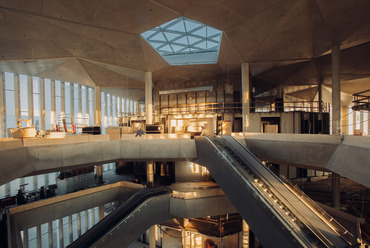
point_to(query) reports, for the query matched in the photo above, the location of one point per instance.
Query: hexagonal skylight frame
(183, 41)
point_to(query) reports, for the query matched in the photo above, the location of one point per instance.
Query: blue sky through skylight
(184, 41)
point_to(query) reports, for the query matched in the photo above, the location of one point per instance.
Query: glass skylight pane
(158, 37)
(184, 41)
(171, 36)
(177, 27)
(212, 31)
(202, 45)
(192, 40)
(201, 32)
(190, 25)
(177, 48)
(166, 49)
(148, 33)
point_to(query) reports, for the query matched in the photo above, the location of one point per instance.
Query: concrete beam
(348, 157)
(40, 212)
(38, 156)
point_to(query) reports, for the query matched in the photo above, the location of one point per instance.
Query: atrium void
(185, 42)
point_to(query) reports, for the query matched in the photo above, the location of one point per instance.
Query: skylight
(185, 42)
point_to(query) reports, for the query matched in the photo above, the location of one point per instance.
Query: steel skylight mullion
(178, 35)
(171, 23)
(187, 36)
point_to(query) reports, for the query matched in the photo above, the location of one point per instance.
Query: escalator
(279, 214)
(110, 225)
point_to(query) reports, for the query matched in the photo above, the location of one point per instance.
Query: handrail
(297, 219)
(105, 225)
(323, 214)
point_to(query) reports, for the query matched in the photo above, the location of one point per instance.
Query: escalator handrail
(104, 226)
(338, 228)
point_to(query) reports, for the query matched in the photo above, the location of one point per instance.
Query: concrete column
(62, 98)
(79, 99)
(152, 237)
(53, 107)
(99, 174)
(245, 96)
(50, 234)
(354, 120)
(72, 89)
(61, 235)
(368, 123)
(362, 124)
(101, 212)
(2, 106)
(46, 178)
(35, 182)
(38, 236)
(30, 98)
(149, 97)
(336, 98)
(79, 224)
(335, 190)
(25, 239)
(92, 217)
(97, 102)
(17, 101)
(344, 120)
(150, 174)
(245, 236)
(86, 220)
(321, 104)
(42, 104)
(70, 228)
(124, 106)
(137, 107)
(336, 119)
(129, 107)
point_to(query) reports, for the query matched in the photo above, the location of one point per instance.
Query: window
(184, 41)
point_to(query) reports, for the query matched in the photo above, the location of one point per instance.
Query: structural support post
(149, 97)
(97, 102)
(42, 104)
(150, 174)
(38, 236)
(53, 106)
(86, 220)
(138, 107)
(70, 225)
(336, 99)
(245, 96)
(17, 102)
(79, 224)
(25, 239)
(30, 98)
(99, 174)
(62, 99)
(2, 106)
(152, 237)
(72, 90)
(61, 235)
(101, 212)
(336, 124)
(321, 103)
(50, 234)
(245, 236)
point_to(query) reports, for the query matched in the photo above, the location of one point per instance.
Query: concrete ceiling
(91, 42)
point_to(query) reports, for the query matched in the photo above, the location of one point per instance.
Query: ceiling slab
(71, 71)
(343, 18)
(179, 6)
(127, 15)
